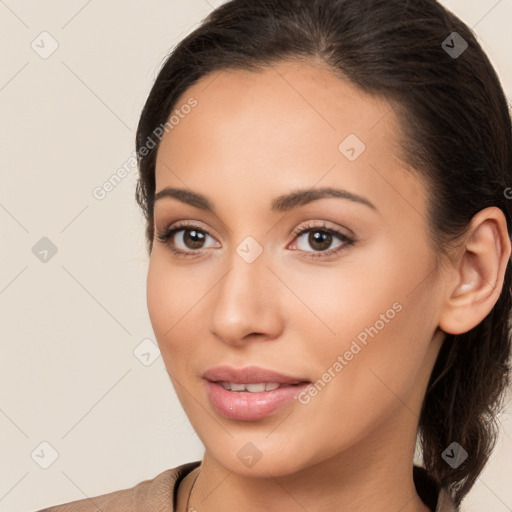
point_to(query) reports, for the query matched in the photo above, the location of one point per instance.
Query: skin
(252, 137)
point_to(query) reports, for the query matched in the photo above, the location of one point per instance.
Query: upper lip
(248, 375)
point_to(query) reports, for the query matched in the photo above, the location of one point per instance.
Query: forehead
(282, 100)
(289, 124)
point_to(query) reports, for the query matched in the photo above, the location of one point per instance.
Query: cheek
(340, 303)
(173, 298)
(161, 306)
(378, 314)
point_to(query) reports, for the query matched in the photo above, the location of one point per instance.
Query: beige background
(70, 325)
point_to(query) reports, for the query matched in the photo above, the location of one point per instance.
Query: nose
(245, 303)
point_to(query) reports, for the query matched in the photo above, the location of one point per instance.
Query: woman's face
(355, 313)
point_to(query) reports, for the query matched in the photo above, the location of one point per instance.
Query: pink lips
(248, 375)
(247, 405)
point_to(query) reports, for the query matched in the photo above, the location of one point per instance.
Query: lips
(250, 393)
(249, 375)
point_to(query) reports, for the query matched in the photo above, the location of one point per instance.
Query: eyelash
(168, 233)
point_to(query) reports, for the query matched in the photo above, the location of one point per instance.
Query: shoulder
(156, 494)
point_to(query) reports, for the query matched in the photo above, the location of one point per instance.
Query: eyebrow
(282, 203)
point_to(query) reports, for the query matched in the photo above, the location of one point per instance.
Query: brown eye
(184, 240)
(193, 238)
(320, 238)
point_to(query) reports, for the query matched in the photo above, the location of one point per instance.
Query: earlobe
(479, 272)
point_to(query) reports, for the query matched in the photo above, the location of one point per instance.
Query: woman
(325, 189)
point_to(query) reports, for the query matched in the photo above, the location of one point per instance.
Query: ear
(478, 272)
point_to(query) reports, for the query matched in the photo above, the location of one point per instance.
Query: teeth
(252, 388)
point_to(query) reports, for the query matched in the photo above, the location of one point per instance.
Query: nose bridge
(244, 302)
(244, 282)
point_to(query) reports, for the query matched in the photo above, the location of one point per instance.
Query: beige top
(159, 494)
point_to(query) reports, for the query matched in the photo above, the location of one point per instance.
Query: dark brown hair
(458, 138)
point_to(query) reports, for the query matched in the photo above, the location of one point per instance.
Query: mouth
(250, 375)
(258, 387)
(251, 393)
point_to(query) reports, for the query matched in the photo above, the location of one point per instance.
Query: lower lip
(247, 406)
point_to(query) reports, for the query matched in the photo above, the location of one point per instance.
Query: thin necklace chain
(190, 493)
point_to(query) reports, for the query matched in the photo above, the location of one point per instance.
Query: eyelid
(183, 224)
(320, 225)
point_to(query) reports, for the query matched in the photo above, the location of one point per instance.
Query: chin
(254, 455)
